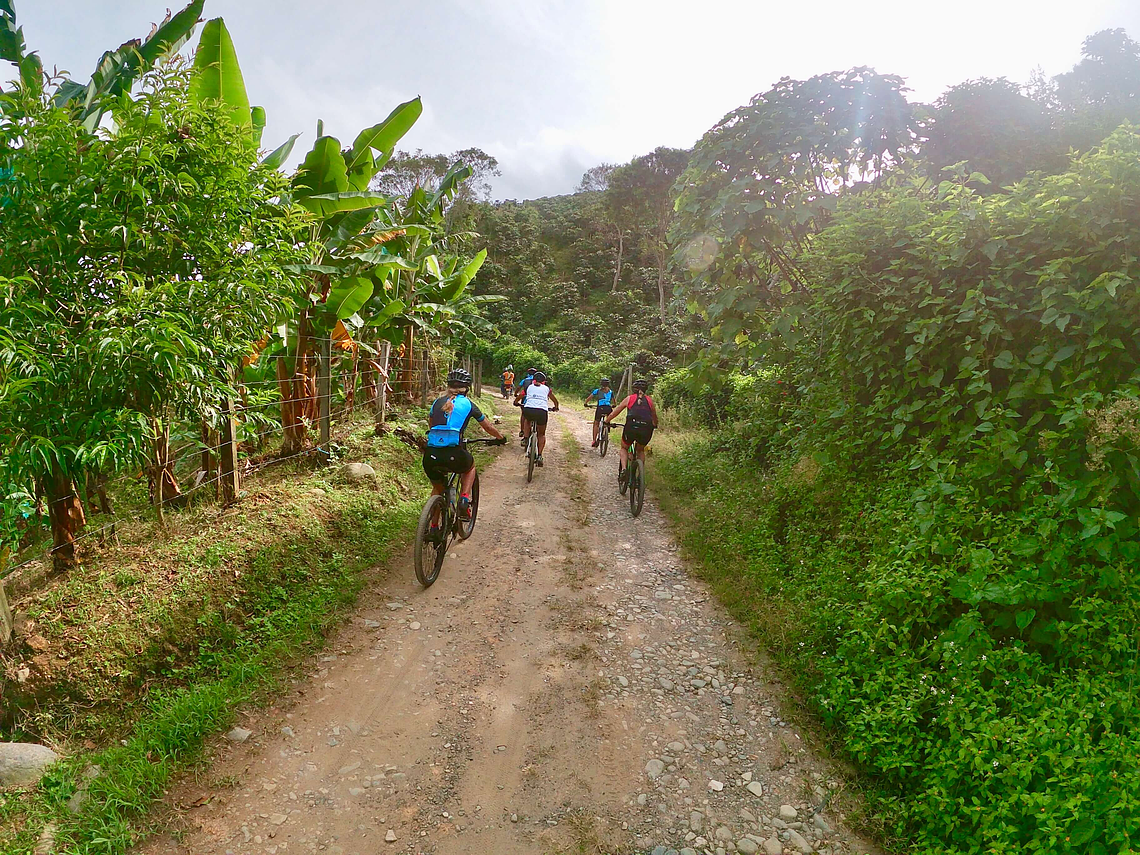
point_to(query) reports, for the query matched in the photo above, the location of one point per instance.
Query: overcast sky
(553, 87)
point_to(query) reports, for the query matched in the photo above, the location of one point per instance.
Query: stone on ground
(22, 764)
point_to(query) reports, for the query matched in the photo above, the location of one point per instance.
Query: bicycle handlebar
(482, 441)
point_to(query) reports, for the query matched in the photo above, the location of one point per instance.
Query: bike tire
(636, 487)
(603, 443)
(466, 527)
(428, 556)
(623, 482)
(531, 456)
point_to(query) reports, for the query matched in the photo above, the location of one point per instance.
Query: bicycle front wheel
(431, 546)
(636, 487)
(531, 456)
(466, 526)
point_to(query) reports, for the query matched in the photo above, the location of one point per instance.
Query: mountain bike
(432, 543)
(603, 434)
(632, 480)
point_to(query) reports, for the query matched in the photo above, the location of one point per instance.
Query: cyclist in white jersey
(536, 399)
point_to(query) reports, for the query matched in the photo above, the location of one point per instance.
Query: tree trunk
(65, 513)
(620, 253)
(166, 489)
(294, 387)
(661, 289)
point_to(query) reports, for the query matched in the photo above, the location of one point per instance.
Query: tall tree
(611, 218)
(643, 190)
(1102, 90)
(992, 126)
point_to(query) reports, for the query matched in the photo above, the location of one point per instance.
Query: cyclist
(640, 422)
(536, 400)
(507, 386)
(530, 372)
(446, 450)
(605, 398)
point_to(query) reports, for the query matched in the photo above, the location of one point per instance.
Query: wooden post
(5, 612)
(382, 390)
(424, 376)
(478, 377)
(227, 454)
(324, 398)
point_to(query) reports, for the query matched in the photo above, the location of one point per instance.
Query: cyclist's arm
(614, 412)
(554, 398)
(589, 398)
(485, 423)
(653, 407)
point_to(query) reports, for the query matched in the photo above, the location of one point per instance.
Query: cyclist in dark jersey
(640, 422)
(446, 451)
(520, 393)
(605, 398)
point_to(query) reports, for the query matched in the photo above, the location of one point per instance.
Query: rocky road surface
(565, 687)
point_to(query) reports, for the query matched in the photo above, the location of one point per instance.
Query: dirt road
(564, 687)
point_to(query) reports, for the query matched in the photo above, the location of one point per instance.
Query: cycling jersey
(640, 409)
(537, 397)
(448, 419)
(508, 378)
(526, 381)
(605, 399)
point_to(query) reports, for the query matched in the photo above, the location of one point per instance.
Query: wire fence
(378, 383)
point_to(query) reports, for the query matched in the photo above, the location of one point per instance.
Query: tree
(994, 128)
(1102, 90)
(137, 267)
(642, 192)
(405, 172)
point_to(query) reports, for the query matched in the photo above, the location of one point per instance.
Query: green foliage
(950, 517)
(135, 267)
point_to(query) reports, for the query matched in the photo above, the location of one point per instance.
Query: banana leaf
(323, 170)
(279, 155)
(348, 296)
(217, 75)
(324, 204)
(383, 137)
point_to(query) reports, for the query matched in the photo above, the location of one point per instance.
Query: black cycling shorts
(438, 462)
(535, 415)
(602, 411)
(638, 432)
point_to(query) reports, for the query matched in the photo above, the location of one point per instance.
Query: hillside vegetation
(911, 343)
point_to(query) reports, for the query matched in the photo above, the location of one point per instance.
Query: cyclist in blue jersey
(446, 450)
(604, 395)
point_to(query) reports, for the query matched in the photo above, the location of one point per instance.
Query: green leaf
(279, 155)
(257, 118)
(383, 137)
(324, 204)
(217, 75)
(323, 170)
(171, 34)
(1024, 617)
(347, 296)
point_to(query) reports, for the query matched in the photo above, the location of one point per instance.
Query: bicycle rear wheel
(467, 526)
(431, 547)
(636, 486)
(531, 454)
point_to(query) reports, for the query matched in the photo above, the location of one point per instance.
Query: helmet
(531, 370)
(510, 368)
(605, 381)
(641, 384)
(458, 377)
(539, 377)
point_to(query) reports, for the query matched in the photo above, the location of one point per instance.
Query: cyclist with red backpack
(640, 422)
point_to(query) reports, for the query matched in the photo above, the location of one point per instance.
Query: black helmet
(458, 377)
(641, 384)
(539, 377)
(605, 381)
(531, 370)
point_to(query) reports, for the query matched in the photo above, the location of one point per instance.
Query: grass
(152, 648)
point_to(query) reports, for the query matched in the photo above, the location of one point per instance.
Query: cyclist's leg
(597, 426)
(541, 438)
(623, 454)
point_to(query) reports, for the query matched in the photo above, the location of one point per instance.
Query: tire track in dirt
(513, 707)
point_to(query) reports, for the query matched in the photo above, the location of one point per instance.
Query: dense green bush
(950, 522)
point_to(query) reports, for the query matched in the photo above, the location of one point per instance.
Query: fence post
(227, 454)
(478, 378)
(424, 378)
(324, 397)
(5, 611)
(382, 392)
